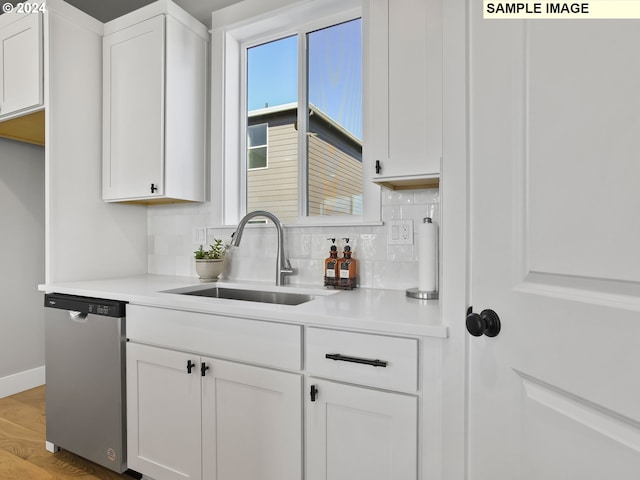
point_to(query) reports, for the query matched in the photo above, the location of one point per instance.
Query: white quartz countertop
(384, 311)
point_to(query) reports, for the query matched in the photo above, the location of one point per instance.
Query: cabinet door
(133, 123)
(21, 68)
(406, 88)
(163, 413)
(355, 433)
(252, 423)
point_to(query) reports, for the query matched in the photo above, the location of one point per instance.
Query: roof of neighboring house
(313, 110)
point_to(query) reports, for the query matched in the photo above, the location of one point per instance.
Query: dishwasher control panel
(94, 306)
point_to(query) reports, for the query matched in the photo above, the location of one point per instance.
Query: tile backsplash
(380, 265)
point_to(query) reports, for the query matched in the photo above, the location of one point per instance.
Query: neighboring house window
(257, 146)
(302, 90)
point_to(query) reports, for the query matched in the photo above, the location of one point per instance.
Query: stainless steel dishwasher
(85, 376)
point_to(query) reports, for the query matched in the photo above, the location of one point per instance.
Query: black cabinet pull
(153, 188)
(364, 361)
(190, 366)
(313, 393)
(203, 368)
(378, 166)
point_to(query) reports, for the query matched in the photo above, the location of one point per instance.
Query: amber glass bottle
(331, 265)
(347, 271)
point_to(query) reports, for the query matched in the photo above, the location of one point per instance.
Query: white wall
(86, 237)
(170, 245)
(21, 266)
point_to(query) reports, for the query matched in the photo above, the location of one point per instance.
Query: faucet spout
(283, 266)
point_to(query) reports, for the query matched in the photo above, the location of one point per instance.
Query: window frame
(254, 22)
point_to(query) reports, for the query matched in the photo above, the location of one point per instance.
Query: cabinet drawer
(362, 358)
(259, 342)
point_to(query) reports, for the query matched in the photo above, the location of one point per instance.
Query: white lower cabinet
(252, 423)
(356, 426)
(164, 418)
(235, 410)
(358, 433)
(222, 421)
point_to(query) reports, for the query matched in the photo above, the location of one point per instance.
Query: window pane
(272, 95)
(257, 135)
(257, 158)
(334, 145)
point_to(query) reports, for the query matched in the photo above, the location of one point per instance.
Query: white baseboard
(21, 381)
(51, 447)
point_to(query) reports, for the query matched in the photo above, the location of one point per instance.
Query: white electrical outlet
(400, 232)
(200, 236)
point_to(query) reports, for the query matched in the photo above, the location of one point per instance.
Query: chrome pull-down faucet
(283, 266)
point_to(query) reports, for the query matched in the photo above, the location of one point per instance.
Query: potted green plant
(209, 263)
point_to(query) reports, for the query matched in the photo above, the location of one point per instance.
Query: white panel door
(356, 433)
(21, 68)
(163, 413)
(252, 423)
(555, 251)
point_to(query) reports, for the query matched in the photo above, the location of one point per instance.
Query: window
(334, 122)
(299, 89)
(257, 146)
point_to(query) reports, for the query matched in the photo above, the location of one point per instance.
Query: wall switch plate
(400, 232)
(200, 236)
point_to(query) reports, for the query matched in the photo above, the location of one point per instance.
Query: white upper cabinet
(21, 67)
(405, 97)
(155, 80)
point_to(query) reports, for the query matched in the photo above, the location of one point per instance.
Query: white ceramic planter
(209, 270)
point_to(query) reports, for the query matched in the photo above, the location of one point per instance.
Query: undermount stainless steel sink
(262, 296)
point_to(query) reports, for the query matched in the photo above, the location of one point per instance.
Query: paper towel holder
(420, 295)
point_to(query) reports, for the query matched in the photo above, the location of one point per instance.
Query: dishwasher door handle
(78, 316)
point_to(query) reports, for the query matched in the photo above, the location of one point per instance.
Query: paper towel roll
(427, 258)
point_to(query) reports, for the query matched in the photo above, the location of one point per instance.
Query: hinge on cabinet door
(203, 368)
(153, 188)
(378, 166)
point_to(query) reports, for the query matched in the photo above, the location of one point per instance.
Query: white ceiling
(201, 9)
(105, 10)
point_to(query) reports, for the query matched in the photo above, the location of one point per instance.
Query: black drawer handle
(364, 361)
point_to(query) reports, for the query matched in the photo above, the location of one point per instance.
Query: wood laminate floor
(22, 445)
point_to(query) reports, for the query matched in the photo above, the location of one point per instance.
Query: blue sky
(335, 73)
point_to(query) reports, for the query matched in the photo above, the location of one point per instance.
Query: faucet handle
(286, 270)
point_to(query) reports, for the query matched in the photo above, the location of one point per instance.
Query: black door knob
(487, 323)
